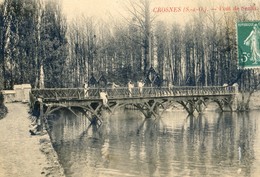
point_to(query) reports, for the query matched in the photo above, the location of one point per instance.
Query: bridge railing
(122, 92)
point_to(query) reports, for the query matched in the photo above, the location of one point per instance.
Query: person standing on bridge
(85, 87)
(225, 85)
(104, 97)
(130, 87)
(170, 88)
(140, 85)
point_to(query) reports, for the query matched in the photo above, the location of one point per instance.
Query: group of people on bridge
(104, 95)
(140, 85)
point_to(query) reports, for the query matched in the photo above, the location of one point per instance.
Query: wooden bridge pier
(193, 105)
(149, 108)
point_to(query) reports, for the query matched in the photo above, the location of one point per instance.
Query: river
(212, 144)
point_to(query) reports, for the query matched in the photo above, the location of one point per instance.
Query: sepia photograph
(129, 88)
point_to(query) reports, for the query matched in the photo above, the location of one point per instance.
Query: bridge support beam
(192, 105)
(225, 105)
(94, 113)
(149, 109)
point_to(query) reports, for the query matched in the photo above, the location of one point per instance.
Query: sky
(107, 9)
(96, 8)
(177, 10)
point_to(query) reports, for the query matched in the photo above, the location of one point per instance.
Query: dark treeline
(35, 34)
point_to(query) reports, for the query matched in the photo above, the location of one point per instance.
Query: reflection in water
(126, 144)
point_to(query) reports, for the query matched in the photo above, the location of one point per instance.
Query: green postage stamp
(248, 41)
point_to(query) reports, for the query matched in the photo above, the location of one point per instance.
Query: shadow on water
(175, 145)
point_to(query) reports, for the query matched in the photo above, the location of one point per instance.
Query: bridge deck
(122, 93)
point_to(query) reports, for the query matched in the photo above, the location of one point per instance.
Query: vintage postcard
(118, 88)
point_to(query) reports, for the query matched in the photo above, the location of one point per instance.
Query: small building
(20, 93)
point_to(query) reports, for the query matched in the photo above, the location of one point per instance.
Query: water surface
(212, 144)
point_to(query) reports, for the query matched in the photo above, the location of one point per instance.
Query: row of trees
(33, 33)
(36, 33)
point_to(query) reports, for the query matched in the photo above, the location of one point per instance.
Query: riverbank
(23, 155)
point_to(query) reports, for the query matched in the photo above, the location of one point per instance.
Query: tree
(17, 41)
(162, 49)
(140, 14)
(176, 54)
(53, 44)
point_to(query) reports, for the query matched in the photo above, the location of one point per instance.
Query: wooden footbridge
(152, 102)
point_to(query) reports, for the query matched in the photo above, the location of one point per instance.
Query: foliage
(35, 33)
(32, 33)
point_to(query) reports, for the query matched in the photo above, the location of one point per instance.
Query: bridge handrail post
(56, 96)
(79, 93)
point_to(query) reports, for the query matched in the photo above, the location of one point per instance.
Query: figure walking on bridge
(130, 87)
(85, 86)
(140, 85)
(113, 88)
